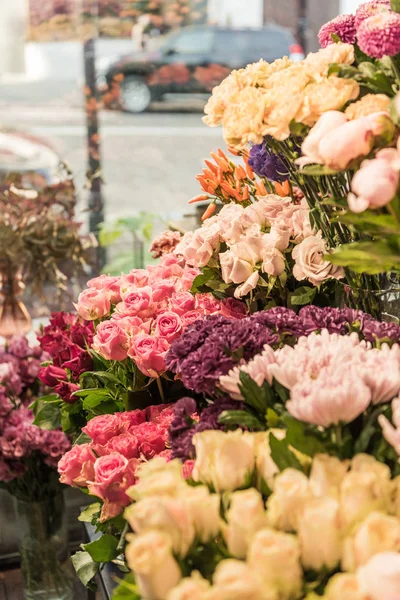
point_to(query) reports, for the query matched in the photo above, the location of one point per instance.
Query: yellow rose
(275, 556)
(319, 534)
(327, 473)
(343, 586)
(291, 493)
(150, 558)
(265, 466)
(378, 533)
(245, 516)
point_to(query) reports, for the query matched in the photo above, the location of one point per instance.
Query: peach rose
(310, 263)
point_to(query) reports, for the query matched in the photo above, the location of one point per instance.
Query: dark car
(194, 60)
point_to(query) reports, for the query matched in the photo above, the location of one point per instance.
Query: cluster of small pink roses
(143, 312)
(119, 444)
(257, 241)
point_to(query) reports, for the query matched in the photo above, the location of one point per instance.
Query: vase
(383, 304)
(14, 316)
(43, 545)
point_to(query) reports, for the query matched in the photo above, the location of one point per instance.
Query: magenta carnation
(343, 26)
(369, 9)
(379, 35)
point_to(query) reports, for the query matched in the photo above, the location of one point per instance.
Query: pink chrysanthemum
(379, 36)
(369, 9)
(342, 26)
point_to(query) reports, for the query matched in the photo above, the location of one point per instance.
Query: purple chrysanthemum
(379, 36)
(343, 26)
(369, 9)
(282, 320)
(266, 164)
(374, 330)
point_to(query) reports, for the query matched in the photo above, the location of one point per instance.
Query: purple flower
(343, 26)
(266, 164)
(282, 320)
(19, 347)
(379, 35)
(314, 318)
(374, 330)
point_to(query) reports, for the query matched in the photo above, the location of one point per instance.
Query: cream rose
(246, 516)
(167, 515)
(310, 263)
(273, 261)
(284, 506)
(327, 473)
(150, 557)
(378, 533)
(234, 580)
(204, 510)
(344, 586)
(379, 579)
(319, 534)
(194, 587)
(265, 466)
(223, 460)
(275, 556)
(158, 478)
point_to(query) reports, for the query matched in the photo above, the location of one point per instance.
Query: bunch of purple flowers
(213, 346)
(28, 454)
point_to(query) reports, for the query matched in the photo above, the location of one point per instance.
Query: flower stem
(160, 389)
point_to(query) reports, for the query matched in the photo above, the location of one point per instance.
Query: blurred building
(286, 13)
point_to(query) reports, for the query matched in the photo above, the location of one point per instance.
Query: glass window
(197, 41)
(253, 45)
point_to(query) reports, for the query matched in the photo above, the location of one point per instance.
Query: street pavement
(149, 161)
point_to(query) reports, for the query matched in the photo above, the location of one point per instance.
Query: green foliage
(259, 398)
(90, 512)
(369, 221)
(302, 295)
(86, 568)
(126, 589)
(395, 4)
(47, 414)
(281, 454)
(299, 436)
(242, 418)
(370, 257)
(102, 550)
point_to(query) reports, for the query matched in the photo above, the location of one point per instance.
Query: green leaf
(93, 400)
(85, 567)
(255, 396)
(298, 437)
(83, 438)
(90, 512)
(202, 279)
(233, 418)
(88, 391)
(272, 418)
(360, 56)
(369, 221)
(104, 375)
(107, 408)
(370, 257)
(102, 550)
(126, 589)
(303, 295)
(318, 170)
(281, 454)
(49, 416)
(395, 4)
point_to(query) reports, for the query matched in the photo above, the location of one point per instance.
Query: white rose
(319, 534)
(327, 474)
(150, 558)
(168, 515)
(204, 509)
(275, 556)
(395, 507)
(265, 466)
(378, 533)
(360, 494)
(158, 478)
(343, 586)
(379, 579)
(190, 588)
(291, 492)
(246, 516)
(234, 580)
(365, 463)
(223, 460)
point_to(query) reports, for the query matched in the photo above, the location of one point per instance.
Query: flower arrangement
(28, 454)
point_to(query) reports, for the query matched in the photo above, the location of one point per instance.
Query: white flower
(327, 473)
(291, 492)
(319, 534)
(344, 586)
(379, 579)
(234, 580)
(190, 588)
(265, 466)
(246, 516)
(150, 558)
(204, 510)
(157, 477)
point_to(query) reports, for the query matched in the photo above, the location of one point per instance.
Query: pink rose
(233, 309)
(131, 325)
(301, 223)
(108, 283)
(102, 428)
(273, 261)
(207, 304)
(129, 420)
(373, 186)
(310, 262)
(151, 438)
(271, 206)
(162, 415)
(199, 251)
(187, 468)
(182, 302)
(237, 264)
(168, 325)
(327, 122)
(52, 375)
(190, 317)
(109, 469)
(126, 444)
(247, 286)
(65, 389)
(93, 304)
(137, 302)
(379, 579)
(162, 290)
(76, 461)
(135, 277)
(111, 341)
(280, 234)
(188, 276)
(148, 352)
(113, 475)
